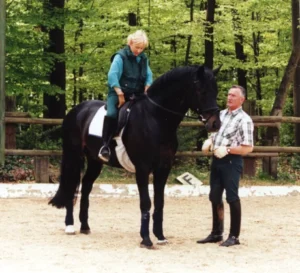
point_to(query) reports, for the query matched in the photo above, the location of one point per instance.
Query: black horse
(149, 137)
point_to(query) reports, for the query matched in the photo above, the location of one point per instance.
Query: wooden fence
(41, 156)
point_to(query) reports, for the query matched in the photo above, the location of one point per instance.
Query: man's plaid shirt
(236, 129)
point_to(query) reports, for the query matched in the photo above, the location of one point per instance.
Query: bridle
(200, 117)
(214, 111)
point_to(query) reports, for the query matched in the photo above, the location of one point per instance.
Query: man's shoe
(231, 241)
(104, 154)
(211, 238)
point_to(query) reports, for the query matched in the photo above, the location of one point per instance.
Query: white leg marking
(162, 242)
(70, 230)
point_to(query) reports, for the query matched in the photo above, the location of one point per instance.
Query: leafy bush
(17, 168)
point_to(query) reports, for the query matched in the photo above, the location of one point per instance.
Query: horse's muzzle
(211, 120)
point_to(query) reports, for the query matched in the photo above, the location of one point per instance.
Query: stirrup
(104, 153)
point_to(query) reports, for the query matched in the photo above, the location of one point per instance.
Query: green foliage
(295, 162)
(94, 30)
(16, 168)
(283, 178)
(35, 137)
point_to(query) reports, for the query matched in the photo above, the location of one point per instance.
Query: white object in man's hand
(207, 145)
(220, 152)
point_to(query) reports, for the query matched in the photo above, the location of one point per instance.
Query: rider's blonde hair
(138, 37)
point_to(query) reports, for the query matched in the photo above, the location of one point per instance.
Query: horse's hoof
(162, 242)
(146, 243)
(70, 230)
(85, 231)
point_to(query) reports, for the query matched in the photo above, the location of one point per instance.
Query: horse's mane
(179, 77)
(169, 77)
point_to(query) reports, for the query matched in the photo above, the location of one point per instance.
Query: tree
(56, 103)
(239, 48)
(296, 78)
(209, 33)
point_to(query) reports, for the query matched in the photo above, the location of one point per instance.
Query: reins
(166, 109)
(180, 114)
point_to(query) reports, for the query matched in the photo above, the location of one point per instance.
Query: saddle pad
(96, 126)
(122, 155)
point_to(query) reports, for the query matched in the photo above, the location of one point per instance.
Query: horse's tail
(71, 166)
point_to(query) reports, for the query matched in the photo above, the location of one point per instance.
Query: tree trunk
(192, 10)
(188, 49)
(296, 80)
(132, 19)
(82, 90)
(189, 38)
(56, 104)
(286, 80)
(2, 78)
(239, 49)
(209, 30)
(272, 134)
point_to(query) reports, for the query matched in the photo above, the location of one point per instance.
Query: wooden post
(41, 169)
(250, 162)
(10, 129)
(2, 79)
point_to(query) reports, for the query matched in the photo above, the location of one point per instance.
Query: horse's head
(204, 98)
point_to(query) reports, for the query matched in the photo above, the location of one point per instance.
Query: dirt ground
(32, 238)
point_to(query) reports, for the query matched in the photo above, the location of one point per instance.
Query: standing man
(234, 139)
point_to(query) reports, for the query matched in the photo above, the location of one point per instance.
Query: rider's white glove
(207, 145)
(220, 152)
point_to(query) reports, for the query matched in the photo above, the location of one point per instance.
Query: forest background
(58, 55)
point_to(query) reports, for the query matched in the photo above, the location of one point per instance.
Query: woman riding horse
(129, 74)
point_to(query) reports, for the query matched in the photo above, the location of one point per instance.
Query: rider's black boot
(109, 129)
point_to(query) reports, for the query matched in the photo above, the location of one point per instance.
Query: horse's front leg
(160, 176)
(142, 180)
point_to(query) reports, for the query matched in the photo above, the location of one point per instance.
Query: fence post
(250, 162)
(10, 129)
(41, 169)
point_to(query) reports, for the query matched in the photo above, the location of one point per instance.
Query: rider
(129, 74)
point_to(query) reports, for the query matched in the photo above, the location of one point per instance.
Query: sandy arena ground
(32, 238)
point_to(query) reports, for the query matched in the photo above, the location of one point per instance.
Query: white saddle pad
(96, 129)
(96, 126)
(122, 154)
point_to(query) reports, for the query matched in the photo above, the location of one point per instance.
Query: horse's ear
(201, 71)
(216, 71)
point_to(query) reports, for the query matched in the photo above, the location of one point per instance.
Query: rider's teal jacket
(128, 72)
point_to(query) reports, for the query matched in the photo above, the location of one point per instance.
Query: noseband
(214, 111)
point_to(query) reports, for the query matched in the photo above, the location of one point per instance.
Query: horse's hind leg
(93, 170)
(69, 183)
(159, 181)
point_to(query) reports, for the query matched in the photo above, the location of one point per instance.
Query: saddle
(124, 111)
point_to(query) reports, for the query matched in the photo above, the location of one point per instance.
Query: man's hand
(220, 152)
(207, 145)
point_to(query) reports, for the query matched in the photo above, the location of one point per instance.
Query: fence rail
(258, 151)
(258, 120)
(42, 160)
